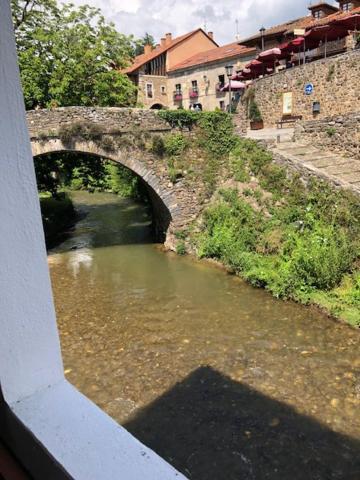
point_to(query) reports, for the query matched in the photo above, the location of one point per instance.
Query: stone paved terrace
(342, 171)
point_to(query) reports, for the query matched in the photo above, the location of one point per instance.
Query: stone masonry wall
(336, 87)
(159, 90)
(340, 134)
(123, 120)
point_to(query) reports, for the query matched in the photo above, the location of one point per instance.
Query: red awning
(352, 22)
(324, 33)
(253, 64)
(235, 86)
(269, 55)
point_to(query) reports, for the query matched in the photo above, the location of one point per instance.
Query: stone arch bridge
(120, 135)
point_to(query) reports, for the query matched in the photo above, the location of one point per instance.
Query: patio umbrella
(294, 45)
(235, 85)
(324, 33)
(269, 58)
(351, 22)
(269, 55)
(253, 64)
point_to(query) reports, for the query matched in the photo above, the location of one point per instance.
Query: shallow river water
(219, 378)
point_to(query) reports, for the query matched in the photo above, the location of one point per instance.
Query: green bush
(248, 155)
(217, 133)
(179, 118)
(331, 131)
(319, 257)
(121, 181)
(175, 144)
(158, 146)
(273, 179)
(254, 112)
(181, 248)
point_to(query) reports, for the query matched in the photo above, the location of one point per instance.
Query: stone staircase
(342, 171)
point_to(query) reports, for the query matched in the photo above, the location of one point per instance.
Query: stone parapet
(124, 120)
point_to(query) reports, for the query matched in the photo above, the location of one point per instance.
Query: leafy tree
(71, 56)
(147, 39)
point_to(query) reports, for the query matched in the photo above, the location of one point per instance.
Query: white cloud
(180, 16)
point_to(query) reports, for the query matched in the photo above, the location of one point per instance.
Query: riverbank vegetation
(56, 173)
(298, 240)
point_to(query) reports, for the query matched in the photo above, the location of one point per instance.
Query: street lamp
(229, 71)
(262, 31)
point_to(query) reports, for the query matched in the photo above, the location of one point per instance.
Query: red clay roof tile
(140, 60)
(227, 51)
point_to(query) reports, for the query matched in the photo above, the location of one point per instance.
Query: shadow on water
(104, 220)
(212, 428)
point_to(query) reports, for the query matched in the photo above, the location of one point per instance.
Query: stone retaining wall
(340, 134)
(336, 87)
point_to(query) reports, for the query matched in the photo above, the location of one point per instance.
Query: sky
(158, 17)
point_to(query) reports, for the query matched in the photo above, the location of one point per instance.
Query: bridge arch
(120, 137)
(163, 201)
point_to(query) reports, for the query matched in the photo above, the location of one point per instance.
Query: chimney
(147, 49)
(211, 35)
(168, 38)
(163, 42)
(157, 46)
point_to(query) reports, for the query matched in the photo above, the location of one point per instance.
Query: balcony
(178, 96)
(194, 92)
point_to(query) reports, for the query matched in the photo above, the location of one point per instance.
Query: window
(194, 88)
(149, 90)
(163, 89)
(317, 14)
(346, 7)
(222, 79)
(178, 88)
(222, 105)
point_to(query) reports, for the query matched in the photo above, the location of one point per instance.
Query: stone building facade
(335, 89)
(149, 70)
(200, 78)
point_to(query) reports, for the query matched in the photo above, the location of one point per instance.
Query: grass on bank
(299, 241)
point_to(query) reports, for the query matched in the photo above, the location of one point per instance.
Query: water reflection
(135, 322)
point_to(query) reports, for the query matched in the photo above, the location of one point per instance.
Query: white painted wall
(83, 439)
(29, 346)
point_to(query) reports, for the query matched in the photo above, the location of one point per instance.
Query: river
(221, 379)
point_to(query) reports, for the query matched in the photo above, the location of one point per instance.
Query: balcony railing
(178, 96)
(194, 92)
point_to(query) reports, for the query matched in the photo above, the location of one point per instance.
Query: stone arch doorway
(157, 106)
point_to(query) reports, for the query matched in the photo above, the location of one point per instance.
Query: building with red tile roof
(149, 70)
(321, 13)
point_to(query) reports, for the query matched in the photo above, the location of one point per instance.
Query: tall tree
(71, 56)
(147, 39)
